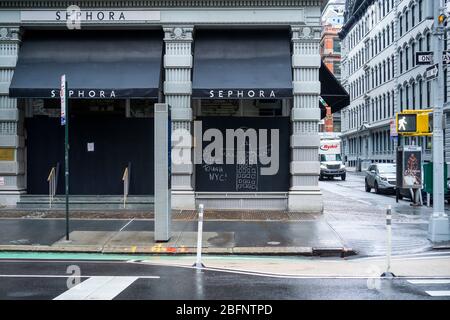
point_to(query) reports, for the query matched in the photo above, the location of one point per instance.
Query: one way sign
(432, 72)
(446, 57)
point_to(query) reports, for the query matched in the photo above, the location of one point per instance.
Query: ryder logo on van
(105, 94)
(327, 147)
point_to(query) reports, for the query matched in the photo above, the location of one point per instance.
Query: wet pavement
(106, 280)
(353, 219)
(122, 233)
(359, 218)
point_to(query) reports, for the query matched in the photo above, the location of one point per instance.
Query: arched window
(407, 21)
(407, 97)
(400, 62)
(413, 89)
(400, 95)
(413, 54)
(387, 36)
(393, 66)
(400, 25)
(420, 2)
(388, 65)
(420, 93)
(407, 58)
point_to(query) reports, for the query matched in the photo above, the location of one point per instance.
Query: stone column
(178, 91)
(305, 194)
(12, 154)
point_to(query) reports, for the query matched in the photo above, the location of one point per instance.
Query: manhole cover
(273, 243)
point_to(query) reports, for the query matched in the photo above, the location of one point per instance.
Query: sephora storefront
(242, 79)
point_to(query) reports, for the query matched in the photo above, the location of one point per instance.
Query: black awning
(332, 91)
(242, 64)
(97, 64)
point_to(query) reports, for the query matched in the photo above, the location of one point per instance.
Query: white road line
(430, 281)
(436, 293)
(126, 225)
(98, 288)
(60, 276)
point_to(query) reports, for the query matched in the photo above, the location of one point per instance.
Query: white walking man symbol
(402, 124)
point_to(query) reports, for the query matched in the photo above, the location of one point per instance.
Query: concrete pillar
(12, 152)
(305, 194)
(178, 63)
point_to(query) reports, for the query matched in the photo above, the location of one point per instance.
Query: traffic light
(414, 123)
(406, 123)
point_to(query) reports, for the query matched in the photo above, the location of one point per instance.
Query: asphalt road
(107, 280)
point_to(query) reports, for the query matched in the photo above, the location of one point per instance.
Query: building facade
(380, 40)
(219, 65)
(330, 50)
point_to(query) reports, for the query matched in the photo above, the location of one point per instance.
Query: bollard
(198, 262)
(388, 273)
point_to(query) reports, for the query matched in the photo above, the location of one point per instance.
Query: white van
(331, 164)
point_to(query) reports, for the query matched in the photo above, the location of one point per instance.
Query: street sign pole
(439, 224)
(65, 122)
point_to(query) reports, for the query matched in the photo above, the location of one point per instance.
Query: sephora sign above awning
(242, 64)
(98, 65)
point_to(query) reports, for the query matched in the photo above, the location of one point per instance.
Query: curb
(159, 250)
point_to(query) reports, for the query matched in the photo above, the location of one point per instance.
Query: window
(413, 54)
(407, 97)
(429, 94)
(400, 24)
(420, 94)
(337, 69)
(445, 85)
(428, 42)
(393, 66)
(407, 58)
(413, 88)
(421, 44)
(336, 45)
(400, 94)
(387, 35)
(420, 10)
(373, 78)
(393, 102)
(400, 62)
(413, 16)
(406, 21)
(388, 64)
(393, 31)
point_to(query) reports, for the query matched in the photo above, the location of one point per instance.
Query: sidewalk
(307, 237)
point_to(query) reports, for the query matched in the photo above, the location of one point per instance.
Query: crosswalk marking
(438, 293)
(430, 281)
(98, 288)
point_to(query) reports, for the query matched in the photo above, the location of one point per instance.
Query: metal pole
(388, 272)
(66, 159)
(162, 165)
(438, 226)
(198, 262)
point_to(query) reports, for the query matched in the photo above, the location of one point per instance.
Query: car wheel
(377, 190)
(368, 188)
(321, 178)
(343, 177)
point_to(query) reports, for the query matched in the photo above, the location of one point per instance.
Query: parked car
(381, 177)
